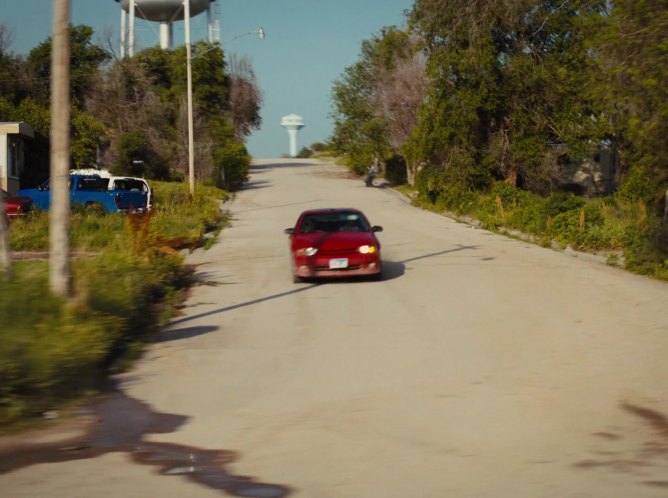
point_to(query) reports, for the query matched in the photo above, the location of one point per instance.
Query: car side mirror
(376, 228)
(289, 231)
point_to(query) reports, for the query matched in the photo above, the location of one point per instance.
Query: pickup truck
(120, 182)
(90, 190)
(131, 183)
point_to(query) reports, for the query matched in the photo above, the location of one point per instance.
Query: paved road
(480, 367)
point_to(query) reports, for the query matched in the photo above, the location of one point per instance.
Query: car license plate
(337, 264)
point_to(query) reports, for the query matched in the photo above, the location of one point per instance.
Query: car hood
(18, 201)
(333, 240)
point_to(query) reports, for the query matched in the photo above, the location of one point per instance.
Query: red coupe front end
(332, 243)
(16, 206)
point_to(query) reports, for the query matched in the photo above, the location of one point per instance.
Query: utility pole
(59, 213)
(191, 140)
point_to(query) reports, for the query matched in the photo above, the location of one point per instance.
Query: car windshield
(334, 222)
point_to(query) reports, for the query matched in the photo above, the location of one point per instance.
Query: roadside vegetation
(128, 279)
(503, 110)
(619, 229)
(128, 116)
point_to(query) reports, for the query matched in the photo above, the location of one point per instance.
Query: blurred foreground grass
(55, 351)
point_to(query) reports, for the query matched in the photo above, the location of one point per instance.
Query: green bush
(51, 351)
(620, 222)
(176, 215)
(54, 350)
(126, 283)
(232, 164)
(430, 183)
(560, 202)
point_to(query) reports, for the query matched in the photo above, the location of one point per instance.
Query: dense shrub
(561, 202)
(232, 165)
(615, 223)
(50, 351)
(54, 350)
(127, 275)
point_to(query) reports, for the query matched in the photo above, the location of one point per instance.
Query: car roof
(330, 210)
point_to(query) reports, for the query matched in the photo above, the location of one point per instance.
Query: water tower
(293, 124)
(163, 11)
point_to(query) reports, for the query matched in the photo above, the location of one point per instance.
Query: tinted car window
(334, 222)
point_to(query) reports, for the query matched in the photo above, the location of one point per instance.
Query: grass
(56, 351)
(631, 233)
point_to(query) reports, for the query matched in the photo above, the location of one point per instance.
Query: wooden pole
(59, 212)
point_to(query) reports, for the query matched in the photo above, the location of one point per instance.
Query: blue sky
(308, 45)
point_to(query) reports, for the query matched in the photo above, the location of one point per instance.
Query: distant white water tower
(293, 124)
(163, 11)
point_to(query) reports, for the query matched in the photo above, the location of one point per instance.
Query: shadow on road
(243, 305)
(391, 271)
(184, 333)
(121, 425)
(256, 184)
(281, 165)
(651, 453)
(440, 253)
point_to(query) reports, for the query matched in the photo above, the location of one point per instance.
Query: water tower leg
(123, 33)
(131, 42)
(293, 142)
(209, 24)
(165, 35)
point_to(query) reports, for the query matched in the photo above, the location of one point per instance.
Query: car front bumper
(305, 267)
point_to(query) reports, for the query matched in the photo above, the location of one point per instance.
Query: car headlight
(306, 251)
(367, 249)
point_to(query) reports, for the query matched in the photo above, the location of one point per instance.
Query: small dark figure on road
(371, 173)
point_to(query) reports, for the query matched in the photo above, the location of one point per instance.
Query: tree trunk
(411, 172)
(511, 178)
(59, 212)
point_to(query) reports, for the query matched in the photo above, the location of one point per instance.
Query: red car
(16, 206)
(334, 243)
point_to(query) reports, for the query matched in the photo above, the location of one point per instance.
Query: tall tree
(86, 59)
(245, 98)
(14, 84)
(360, 129)
(463, 101)
(398, 95)
(138, 125)
(633, 83)
(508, 80)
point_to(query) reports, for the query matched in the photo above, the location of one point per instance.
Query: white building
(12, 139)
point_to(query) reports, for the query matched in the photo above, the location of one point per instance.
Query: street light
(191, 142)
(259, 32)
